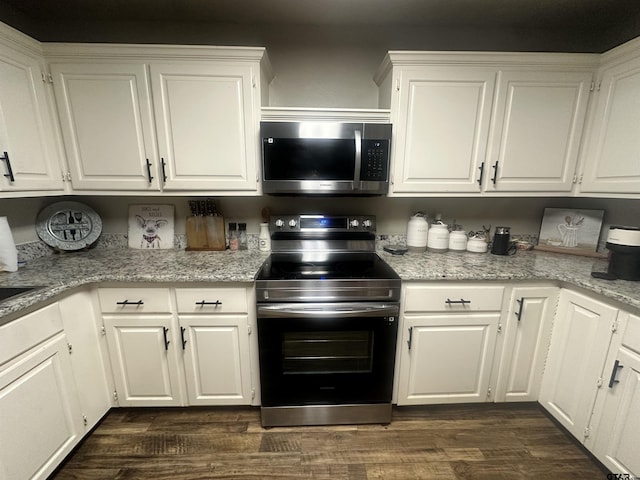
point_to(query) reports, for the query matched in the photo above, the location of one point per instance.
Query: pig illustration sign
(151, 227)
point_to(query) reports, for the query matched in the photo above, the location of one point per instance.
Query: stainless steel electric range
(327, 309)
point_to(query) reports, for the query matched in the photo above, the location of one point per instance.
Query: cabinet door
(216, 359)
(447, 358)
(144, 360)
(441, 129)
(579, 343)
(27, 141)
(536, 131)
(207, 123)
(613, 148)
(87, 347)
(41, 418)
(107, 125)
(618, 434)
(526, 342)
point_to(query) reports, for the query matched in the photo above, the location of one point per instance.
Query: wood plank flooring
(466, 442)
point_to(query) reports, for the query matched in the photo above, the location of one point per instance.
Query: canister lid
(624, 235)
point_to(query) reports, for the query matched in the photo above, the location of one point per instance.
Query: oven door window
(326, 352)
(314, 361)
(309, 159)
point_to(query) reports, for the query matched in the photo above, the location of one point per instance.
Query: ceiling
(615, 21)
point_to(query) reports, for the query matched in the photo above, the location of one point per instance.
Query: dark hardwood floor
(480, 442)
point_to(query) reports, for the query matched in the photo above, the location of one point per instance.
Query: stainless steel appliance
(327, 310)
(325, 158)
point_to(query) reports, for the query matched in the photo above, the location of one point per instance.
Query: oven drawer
(452, 298)
(212, 300)
(134, 300)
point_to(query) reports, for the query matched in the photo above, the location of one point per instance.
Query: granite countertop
(59, 273)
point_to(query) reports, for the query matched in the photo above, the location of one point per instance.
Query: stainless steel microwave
(325, 158)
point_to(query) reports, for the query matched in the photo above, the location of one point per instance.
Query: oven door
(326, 354)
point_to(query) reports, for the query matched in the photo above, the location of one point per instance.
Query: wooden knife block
(205, 233)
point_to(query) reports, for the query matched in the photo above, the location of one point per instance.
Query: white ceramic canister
(476, 245)
(458, 241)
(417, 233)
(264, 238)
(438, 238)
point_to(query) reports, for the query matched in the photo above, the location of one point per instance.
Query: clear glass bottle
(233, 237)
(242, 237)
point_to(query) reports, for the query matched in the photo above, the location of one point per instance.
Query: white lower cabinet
(193, 350)
(580, 340)
(447, 344)
(527, 333)
(39, 409)
(618, 431)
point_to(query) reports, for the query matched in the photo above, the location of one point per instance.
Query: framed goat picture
(151, 227)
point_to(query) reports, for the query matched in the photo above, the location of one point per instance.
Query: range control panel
(322, 223)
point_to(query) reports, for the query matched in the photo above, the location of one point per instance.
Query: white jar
(458, 241)
(417, 232)
(476, 245)
(438, 238)
(264, 238)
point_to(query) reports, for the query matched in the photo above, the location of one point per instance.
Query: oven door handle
(325, 310)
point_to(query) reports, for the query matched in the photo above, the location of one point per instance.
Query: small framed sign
(573, 231)
(151, 226)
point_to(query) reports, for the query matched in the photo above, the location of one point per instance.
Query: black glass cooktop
(321, 266)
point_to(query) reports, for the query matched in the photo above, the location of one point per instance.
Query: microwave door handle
(358, 162)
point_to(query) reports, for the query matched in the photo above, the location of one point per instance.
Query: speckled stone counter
(58, 274)
(531, 265)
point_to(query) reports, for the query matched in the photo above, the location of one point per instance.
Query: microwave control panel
(375, 160)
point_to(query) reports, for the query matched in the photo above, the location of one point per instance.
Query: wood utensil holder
(205, 233)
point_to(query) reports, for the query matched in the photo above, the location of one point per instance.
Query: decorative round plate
(68, 225)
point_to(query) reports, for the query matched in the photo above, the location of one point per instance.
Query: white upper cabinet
(207, 120)
(29, 159)
(537, 127)
(491, 123)
(107, 124)
(612, 153)
(160, 118)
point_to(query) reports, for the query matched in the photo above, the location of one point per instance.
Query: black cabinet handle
(9, 174)
(519, 312)
(481, 168)
(184, 342)
(410, 337)
(614, 372)
(149, 171)
(202, 303)
(165, 330)
(495, 172)
(462, 302)
(127, 302)
(164, 172)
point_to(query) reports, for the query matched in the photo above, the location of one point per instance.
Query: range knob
(292, 223)
(367, 223)
(354, 223)
(279, 223)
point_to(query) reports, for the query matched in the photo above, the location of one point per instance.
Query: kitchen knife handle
(614, 372)
(149, 171)
(521, 305)
(202, 303)
(9, 173)
(481, 168)
(165, 330)
(495, 172)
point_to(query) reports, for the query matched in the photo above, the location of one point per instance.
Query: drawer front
(631, 338)
(134, 300)
(212, 300)
(452, 298)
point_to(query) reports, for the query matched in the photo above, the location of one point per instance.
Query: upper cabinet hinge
(587, 432)
(575, 179)
(580, 179)
(592, 87)
(254, 82)
(488, 392)
(70, 348)
(499, 328)
(397, 85)
(85, 422)
(249, 329)
(253, 393)
(103, 331)
(599, 382)
(115, 396)
(47, 77)
(614, 326)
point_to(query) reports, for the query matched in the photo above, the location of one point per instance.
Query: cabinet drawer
(134, 300)
(631, 338)
(211, 300)
(452, 298)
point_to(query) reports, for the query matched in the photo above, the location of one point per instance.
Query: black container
(501, 241)
(624, 261)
